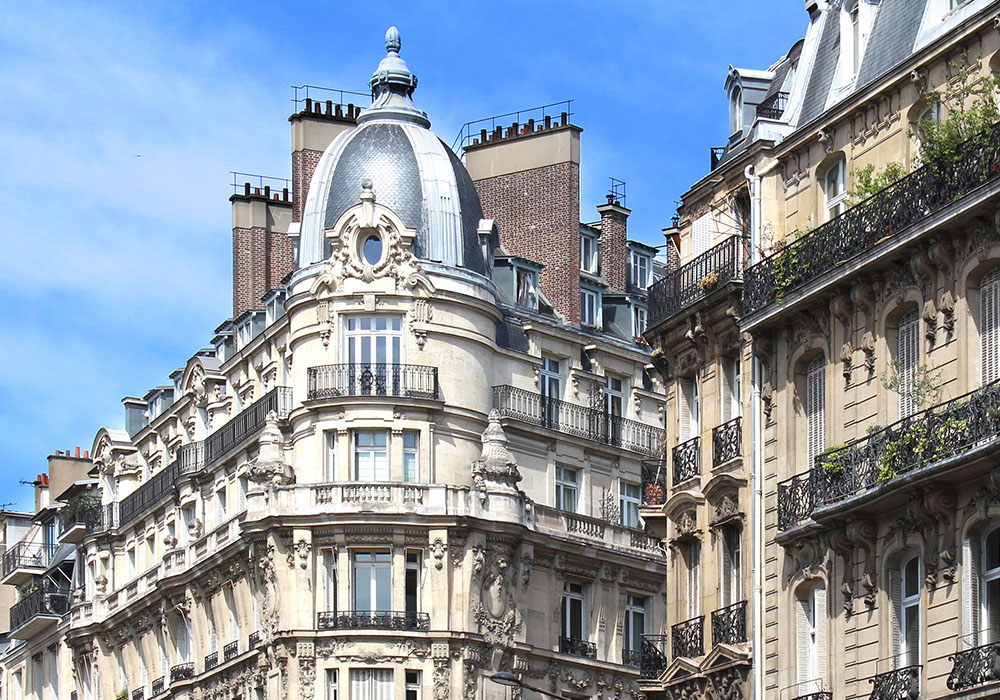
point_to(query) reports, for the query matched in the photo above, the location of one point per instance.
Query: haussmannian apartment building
(830, 491)
(411, 459)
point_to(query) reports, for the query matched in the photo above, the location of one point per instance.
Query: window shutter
(989, 326)
(896, 613)
(727, 570)
(684, 405)
(803, 647)
(815, 409)
(701, 234)
(971, 602)
(908, 357)
(820, 620)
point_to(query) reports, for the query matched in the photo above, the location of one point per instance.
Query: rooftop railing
(328, 101)
(872, 222)
(580, 421)
(488, 129)
(713, 269)
(372, 379)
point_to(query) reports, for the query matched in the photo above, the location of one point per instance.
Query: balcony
(373, 379)
(248, 422)
(807, 690)
(653, 659)
(253, 640)
(41, 608)
(577, 647)
(727, 441)
(632, 657)
(78, 518)
(773, 107)
(612, 535)
(211, 660)
(897, 684)
(686, 638)
(729, 624)
(157, 687)
(230, 651)
(372, 620)
(181, 672)
(939, 433)
(687, 460)
(974, 665)
(654, 482)
(580, 421)
(137, 694)
(872, 224)
(24, 561)
(712, 270)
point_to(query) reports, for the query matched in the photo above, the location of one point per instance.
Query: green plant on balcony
(26, 591)
(925, 445)
(923, 383)
(83, 504)
(783, 272)
(869, 181)
(831, 460)
(708, 281)
(122, 694)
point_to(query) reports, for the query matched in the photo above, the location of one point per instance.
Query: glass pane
(992, 616)
(409, 439)
(383, 588)
(362, 588)
(380, 439)
(911, 633)
(576, 618)
(381, 466)
(992, 558)
(911, 584)
(409, 467)
(411, 590)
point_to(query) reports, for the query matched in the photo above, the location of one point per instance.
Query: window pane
(911, 585)
(362, 588)
(992, 558)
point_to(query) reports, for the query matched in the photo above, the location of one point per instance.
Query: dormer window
(852, 12)
(588, 253)
(640, 270)
(527, 288)
(736, 110)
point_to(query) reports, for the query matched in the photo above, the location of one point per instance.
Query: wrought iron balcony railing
(581, 421)
(253, 640)
(84, 511)
(248, 422)
(654, 481)
(814, 689)
(211, 660)
(898, 684)
(729, 624)
(373, 379)
(27, 555)
(653, 661)
(577, 647)
(632, 657)
(727, 441)
(687, 460)
(938, 433)
(181, 672)
(157, 686)
(877, 219)
(373, 619)
(46, 600)
(138, 694)
(774, 106)
(687, 638)
(230, 651)
(976, 666)
(713, 269)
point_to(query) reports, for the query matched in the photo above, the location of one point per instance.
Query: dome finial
(392, 40)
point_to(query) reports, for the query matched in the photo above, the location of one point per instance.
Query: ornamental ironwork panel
(727, 441)
(687, 639)
(372, 379)
(577, 647)
(137, 694)
(83, 510)
(157, 687)
(181, 672)
(899, 684)
(589, 422)
(818, 695)
(33, 555)
(631, 657)
(253, 640)
(773, 107)
(654, 481)
(974, 667)
(230, 651)
(372, 619)
(687, 460)
(873, 221)
(211, 661)
(653, 661)
(248, 422)
(45, 600)
(729, 624)
(713, 269)
(796, 499)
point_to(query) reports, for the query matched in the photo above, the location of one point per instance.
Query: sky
(120, 123)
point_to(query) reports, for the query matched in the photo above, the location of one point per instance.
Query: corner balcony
(24, 561)
(715, 269)
(37, 611)
(588, 423)
(687, 639)
(943, 437)
(868, 230)
(79, 518)
(653, 658)
(372, 620)
(372, 380)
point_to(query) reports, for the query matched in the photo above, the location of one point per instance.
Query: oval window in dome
(372, 249)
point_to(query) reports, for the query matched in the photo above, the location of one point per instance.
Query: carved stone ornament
(268, 469)
(495, 467)
(420, 315)
(767, 398)
(726, 684)
(685, 525)
(727, 508)
(847, 360)
(868, 348)
(438, 549)
(499, 620)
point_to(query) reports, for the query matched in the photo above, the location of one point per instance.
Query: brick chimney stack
(313, 129)
(528, 179)
(262, 251)
(614, 250)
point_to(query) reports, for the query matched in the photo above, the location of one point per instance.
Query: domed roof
(412, 171)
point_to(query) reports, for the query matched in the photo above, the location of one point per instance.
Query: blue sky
(120, 122)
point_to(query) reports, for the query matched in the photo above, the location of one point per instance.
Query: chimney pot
(267, 191)
(284, 194)
(77, 452)
(86, 454)
(563, 118)
(548, 121)
(246, 189)
(329, 107)
(339, 110)
(309, 104)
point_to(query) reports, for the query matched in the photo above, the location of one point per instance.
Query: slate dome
(412, 171)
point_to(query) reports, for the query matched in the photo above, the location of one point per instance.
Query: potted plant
(708, 281)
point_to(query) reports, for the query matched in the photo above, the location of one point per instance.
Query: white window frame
(330, 455)
(589, 253)
(692, 562)
(412, 565)
(412, 684)
(331, 684)
(731, 377)
(904, 607)
(590, 307)
(411, 456)
(835, 201)
(815, 405)
(702, 233)
(640, 269)
(730, 564)
(811, 643)
(573, 591)
(640, 316)
(567, 487)
(526, 287)
(371, 683)
(689, 409)
(908, 360)
(987, 632)
(635, 606)
(736, 109)
(629, 501)
(550, 377)
(373, 588)
(366, 465)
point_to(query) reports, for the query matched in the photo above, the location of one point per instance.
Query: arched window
(835, 189)
(815, 410)
(907, 360)
(904, 591)
(811, 616)
(736, 110)
(989, 326)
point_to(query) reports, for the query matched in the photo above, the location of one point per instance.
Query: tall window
(635, 622)
(989, 326)
(730, 396)
(572, 610)
(835, 189)
(692, 564)
(614, 403)
(371, 455)
(736, 110)
(371, 345)
(567, 488)
(331, 684)
(981, 588)
(182, 639)
(853, 12)
(220, 506)
(628, 503)
(413, 685)
(527, 288)
(330, 455)
(412, 591)
(907, 358)
(234, 618)
(731, 588)
(588, 253)
(411, 453)
(371, 684)
(640, 270)
(372, 581)
(688, 409)
(328, 562)
(639, 315)
(550, 382)
(815, 410)
(590, 307)
(904, 591)
(811, 647)
(213, 630)
(701, 234)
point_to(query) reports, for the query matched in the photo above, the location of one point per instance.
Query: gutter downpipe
(756, 487)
